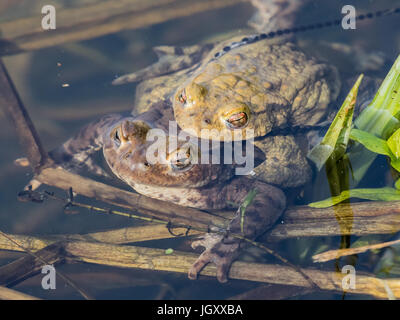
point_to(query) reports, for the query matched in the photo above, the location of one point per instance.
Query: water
(66, 86)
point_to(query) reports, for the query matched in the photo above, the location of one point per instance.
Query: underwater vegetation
(376, 131)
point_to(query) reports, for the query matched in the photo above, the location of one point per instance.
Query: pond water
(66, 86)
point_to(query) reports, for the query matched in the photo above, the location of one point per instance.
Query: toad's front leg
(260, 214)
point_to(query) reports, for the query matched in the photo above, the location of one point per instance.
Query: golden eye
(237, 120)
(182, 97)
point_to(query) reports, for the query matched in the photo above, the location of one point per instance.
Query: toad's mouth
(237, 120)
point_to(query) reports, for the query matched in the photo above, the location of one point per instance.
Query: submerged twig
(117, 236)
(27, 266)
(39, 258)
(156, 259)
(16, 111)
(10, 294)
(333, 254)
(364, 218)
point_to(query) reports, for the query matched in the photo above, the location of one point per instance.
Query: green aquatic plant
(377, 131)
(390, 148)
(381, 118)
(377, 194)
(246, 202)
(334, 143)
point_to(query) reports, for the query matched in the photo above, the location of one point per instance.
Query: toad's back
(259, 86)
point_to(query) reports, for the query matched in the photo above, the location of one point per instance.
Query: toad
(177, 176)
(247, 87)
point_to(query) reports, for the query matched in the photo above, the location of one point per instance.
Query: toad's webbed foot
(253, 218)
(220, 250)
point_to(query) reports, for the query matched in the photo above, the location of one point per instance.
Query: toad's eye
(182, 97)
(116, 137)
(237, 120)
(180, 164)
(181, 160)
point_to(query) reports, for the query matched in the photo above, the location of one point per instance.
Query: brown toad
(250, 85)
(258, 86)
(128, 147)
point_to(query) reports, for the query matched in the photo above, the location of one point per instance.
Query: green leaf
(335, 141)
(249, 198)
(397, 184)
(385, 263)
(390, 148)
(384, 107)
(246, 202)
(169, 251)
(395, 163)
(394, 143)
(370, 141)
(380, 118)
(379, 194)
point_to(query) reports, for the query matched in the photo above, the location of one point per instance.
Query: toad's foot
(219, 250)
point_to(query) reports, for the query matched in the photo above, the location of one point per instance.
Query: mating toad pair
(246, 84)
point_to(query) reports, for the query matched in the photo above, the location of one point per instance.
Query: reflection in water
(338, 179)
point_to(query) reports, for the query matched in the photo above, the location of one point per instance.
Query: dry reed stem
(335, 254)
(157, 259)
(29, 265)
(117, 236)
